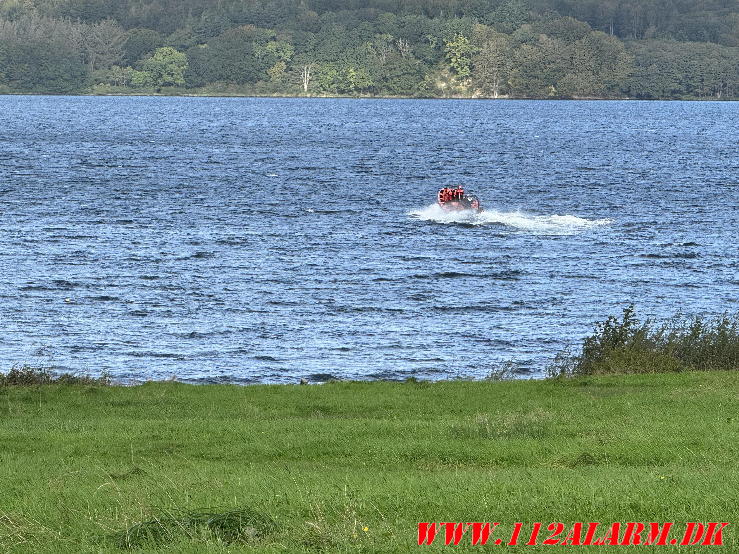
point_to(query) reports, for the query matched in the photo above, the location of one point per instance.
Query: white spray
(537, 224)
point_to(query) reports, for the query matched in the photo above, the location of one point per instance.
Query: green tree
(212, 23)
(42, 67)
(491, 64)
(15, 9)
(277, 72)
(120, 76)
(509, 16)
(598, 66)
(671, 69)
(139, 43)
(102, 44)
(359, 79)
(279, 50)
(182, 39)
(165, 68)
(401, 76)
(566, 29)
(459, 53)
(532, 72)
(115, 76)
(199, 70)
(240, 56)
(327, 77)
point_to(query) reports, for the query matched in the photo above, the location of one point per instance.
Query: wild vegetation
(627, 345)
(468, 48)
(26, 375)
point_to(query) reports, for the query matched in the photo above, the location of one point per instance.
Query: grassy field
(353, 467)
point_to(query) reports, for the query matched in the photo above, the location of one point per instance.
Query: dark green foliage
(234, 56)
(627, 345)
(139, 43)
(42, 67)
(541, 48)
(709, 20)
(229, 526)
(670, 69)
(88, 11)
(211, 24)
(509, 16)
(25, 375)
(199, 71)
(400, 76)
(565, 29)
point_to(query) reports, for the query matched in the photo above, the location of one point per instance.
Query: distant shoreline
(371, 97)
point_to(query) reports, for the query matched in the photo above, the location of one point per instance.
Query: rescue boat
(456, 199)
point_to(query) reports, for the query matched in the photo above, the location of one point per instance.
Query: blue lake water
(265, 240)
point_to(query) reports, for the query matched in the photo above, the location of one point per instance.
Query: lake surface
(265, 240)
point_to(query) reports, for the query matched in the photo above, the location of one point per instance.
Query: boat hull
(459, 207)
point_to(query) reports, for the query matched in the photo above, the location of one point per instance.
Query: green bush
(26, 375)
(626, 345)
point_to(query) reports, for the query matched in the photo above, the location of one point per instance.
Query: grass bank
(353, 467)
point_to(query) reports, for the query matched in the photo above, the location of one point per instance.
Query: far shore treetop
(446, 48)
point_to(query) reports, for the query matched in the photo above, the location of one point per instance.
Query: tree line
(653, 49)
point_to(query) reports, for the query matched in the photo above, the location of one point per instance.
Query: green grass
(353, 467)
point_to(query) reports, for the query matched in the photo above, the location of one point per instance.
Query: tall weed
(626, 345)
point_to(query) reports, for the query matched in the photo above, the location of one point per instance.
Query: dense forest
(428, 48)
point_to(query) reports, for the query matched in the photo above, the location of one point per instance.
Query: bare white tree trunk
(305, 75)
(383, 46)
(495, 84)
(403, 47)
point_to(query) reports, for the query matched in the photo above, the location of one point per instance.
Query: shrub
(626, 345)
(25, 375)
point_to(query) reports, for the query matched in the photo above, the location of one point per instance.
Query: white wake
(539, 224)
